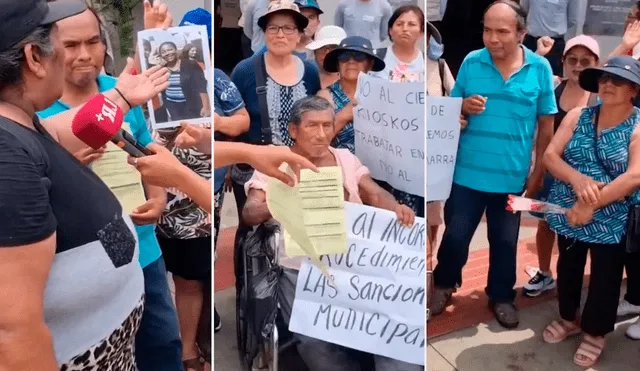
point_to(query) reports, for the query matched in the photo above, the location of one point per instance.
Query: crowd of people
(297, 89)
(556, 121)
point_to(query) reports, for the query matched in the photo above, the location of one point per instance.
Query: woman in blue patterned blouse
(595, 159)
(354, 55)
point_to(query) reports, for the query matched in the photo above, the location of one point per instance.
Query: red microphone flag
(97, 121)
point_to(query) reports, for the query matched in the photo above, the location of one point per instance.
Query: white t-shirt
(396, 70)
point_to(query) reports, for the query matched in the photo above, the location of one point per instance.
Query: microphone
(99, 121)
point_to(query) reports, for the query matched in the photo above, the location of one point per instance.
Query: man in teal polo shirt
(158, 345)
(508, 95)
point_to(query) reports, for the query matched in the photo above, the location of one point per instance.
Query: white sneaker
(625, 308)
(633, 332)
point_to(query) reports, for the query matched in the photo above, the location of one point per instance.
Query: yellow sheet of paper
(322, 196)
(123, 179)
(311, 213)
(286, 207)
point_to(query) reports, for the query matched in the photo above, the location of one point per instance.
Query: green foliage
(120, 13)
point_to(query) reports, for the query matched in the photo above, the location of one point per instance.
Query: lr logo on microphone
(109, 110)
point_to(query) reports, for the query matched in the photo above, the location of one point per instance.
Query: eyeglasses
(573, 61)
(357, 56)
(615, 80)
(287, 30)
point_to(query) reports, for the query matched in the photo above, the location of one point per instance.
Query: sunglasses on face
(287, 30)
(573, 61)
(615, 80)
(357, 56)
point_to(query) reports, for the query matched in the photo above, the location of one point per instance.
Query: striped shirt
(494, 154)
(174, 92)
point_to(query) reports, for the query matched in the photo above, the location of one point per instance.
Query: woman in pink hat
(580, 52)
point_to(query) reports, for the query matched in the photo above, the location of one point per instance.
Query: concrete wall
(607, 43)
(179, 7)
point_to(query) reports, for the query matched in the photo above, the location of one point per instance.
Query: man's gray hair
(309, 104)
(11, 59)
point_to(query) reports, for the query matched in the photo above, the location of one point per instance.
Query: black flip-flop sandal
(506, 315)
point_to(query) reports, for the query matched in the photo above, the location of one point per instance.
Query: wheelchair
(267, 345)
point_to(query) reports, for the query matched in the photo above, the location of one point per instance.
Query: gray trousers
(324, 356)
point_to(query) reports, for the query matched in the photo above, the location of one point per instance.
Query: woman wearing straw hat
(354, 55)
(327, 39)
(595, 160)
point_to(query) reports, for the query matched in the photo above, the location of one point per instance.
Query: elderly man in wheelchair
(312, 129)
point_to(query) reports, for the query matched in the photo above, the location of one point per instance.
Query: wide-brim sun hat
(327, 35)
(283, 7)
(624, 67)
(433, 31)
(355, 44)
(19, 18)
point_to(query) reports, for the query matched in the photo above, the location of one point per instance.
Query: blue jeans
(462, 214)
(158, 344)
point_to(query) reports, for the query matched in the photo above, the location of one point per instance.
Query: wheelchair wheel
(241, 325)
(242, 295)
(245, 337)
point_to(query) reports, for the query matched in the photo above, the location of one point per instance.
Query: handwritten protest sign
(443, 133)
(389, 131)
(377, 300)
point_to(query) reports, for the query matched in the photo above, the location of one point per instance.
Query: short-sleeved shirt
(149, 248)
(93, 294)
(494, 154)
(368, 19)
(280, 98)
(397, 70)
(226, 102)
(352, 173)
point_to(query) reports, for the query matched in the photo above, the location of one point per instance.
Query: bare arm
(552, 159)
(25, 341)
(255, 210)
(545, 134)
(620, 50)
(204, 97)
(155, 193)
(374, 195)
(233, 125)
(630, 39)
(628, 182)
(196, 188)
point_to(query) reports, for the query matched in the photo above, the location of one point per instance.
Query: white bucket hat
(327, 35)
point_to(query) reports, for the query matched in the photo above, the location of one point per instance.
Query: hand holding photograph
(182, 50)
